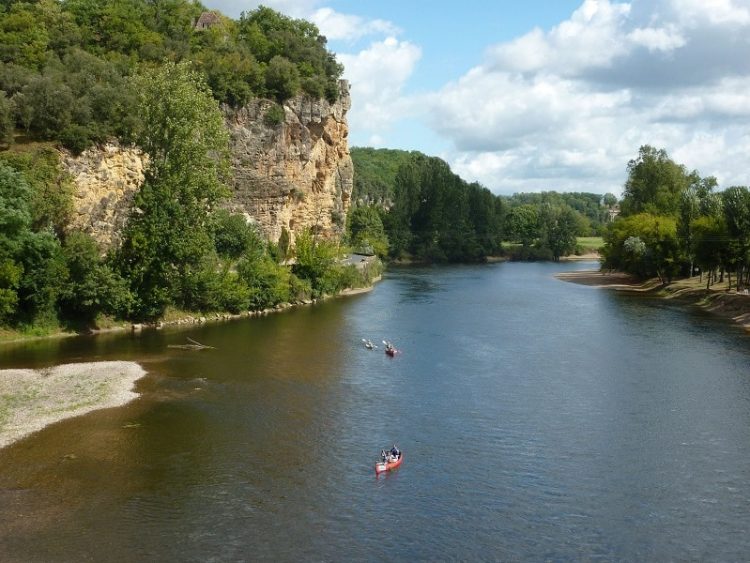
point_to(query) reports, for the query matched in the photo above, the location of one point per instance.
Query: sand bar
(32, 399)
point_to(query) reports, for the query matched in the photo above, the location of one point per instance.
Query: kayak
(383, 466)
(391, 352)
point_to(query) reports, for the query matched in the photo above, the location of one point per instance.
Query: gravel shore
(32, 399)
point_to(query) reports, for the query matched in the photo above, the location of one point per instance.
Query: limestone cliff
(290, 175)
(106, 179)
(294, 174)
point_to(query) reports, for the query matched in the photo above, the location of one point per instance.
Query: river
(540, 420)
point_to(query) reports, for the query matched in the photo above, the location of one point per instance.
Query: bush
(282, 78)
(76, 138)
(274, 116)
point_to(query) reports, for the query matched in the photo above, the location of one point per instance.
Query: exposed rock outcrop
(293, 174)
(106, 179)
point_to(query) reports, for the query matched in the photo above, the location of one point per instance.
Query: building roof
(207, 19)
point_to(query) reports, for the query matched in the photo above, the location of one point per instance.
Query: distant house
(613, 212)
(207, 20)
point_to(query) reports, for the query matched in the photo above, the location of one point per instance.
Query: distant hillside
(375, 172)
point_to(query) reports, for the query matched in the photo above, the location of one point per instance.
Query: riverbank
(33, 399)
(718, 299)
(179, 318)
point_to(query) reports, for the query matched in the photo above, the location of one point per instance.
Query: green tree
(523, 224)
(609, 200)
(365, 228)
(169, 234)
(711, 244)
(23, 40)
(91, 286)
(736, 209)
(654, 184)
(6, 120)
(558, 228)
(660, 255)
(316, 262)
(282, 78)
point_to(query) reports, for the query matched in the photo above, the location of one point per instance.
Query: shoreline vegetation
(718, 300)
(32, 399)
(182, 318)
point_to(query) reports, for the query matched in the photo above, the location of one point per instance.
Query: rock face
(106, 179)
(294, 174)
(291, 175)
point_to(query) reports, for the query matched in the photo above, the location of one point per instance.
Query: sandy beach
(32, 399)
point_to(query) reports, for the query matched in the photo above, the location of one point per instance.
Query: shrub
(274, 116)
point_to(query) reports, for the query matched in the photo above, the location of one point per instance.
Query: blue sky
(544, 94)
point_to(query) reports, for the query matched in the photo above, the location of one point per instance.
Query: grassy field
(590, 243)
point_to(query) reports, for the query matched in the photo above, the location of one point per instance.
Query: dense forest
(673, 223)
(412, 206)
(65, 66)
(75, 72)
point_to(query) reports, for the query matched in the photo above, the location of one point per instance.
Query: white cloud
(657, 39)
(377, 75)
(567, 108)
(589, 38)
(564, 108)
(293, 8)
(714, 12)
(347, 27)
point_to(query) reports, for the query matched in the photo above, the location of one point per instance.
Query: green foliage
(167, 238)
(644, 244)
(558, 229)
(65, 64)
(523, 224)
(22, 40)
(591, 208)
(10, 277)
(51, 190)
(274, 116)
(43, 277)
(282, 78)
(366, 232)
(233, 236)
(436, 216)
(299, 52)
(267, 281)
(6, 120)
(711, 242)
(654, 184)
(316, 262)
(375, 173)
(91, 287)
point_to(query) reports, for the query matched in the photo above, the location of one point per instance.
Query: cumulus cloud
(377, 75)
(346, 27)
(588, 39)
(566, 108)
(563, 108)
(293, 8)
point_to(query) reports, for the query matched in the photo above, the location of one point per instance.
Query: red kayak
(383, 466)
(391, 352)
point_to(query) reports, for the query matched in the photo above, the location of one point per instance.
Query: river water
(540, 420)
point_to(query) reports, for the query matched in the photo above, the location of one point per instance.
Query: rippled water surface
(540, 420)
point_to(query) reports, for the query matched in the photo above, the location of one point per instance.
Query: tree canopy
(64, 64)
